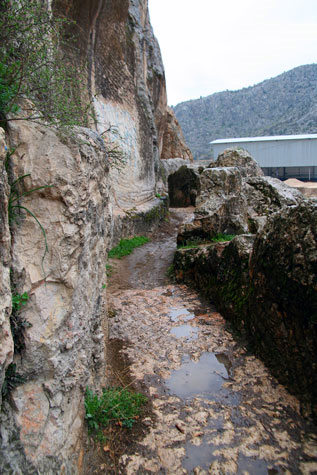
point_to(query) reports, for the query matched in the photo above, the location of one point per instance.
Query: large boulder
(238, 158)
(173, 142)
(236, 199)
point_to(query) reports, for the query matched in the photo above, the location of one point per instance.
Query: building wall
(283, 173)
(275, 153)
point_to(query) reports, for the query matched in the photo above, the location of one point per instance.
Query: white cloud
(212, 46)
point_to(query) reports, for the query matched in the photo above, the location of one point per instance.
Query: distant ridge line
(283, 105)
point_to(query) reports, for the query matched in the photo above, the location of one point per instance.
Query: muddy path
(214, 407)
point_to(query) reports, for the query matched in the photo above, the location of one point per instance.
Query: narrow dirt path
(216, 408)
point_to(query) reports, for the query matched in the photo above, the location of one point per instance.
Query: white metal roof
(266, 139)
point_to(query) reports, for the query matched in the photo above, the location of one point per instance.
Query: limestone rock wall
(173, 141)
(126, 82)
(6, 342)
(64, 339)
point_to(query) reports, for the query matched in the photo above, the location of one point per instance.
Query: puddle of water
(202, 456)
(247, 465)
(185, 331)
(176, 313)
(198, 456)
(223, 359)
(194, 378)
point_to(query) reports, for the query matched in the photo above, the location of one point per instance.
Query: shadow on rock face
(183, 187)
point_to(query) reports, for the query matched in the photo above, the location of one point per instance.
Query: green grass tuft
(126, 246)
(222, 237)
(114, 405)
(190, 245)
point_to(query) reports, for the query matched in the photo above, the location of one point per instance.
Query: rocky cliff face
(6, 341)
(62, 329)
(74, 201)
(126, 82)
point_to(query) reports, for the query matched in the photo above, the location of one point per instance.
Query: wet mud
(215, 407)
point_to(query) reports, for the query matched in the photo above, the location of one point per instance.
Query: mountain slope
(286, 104)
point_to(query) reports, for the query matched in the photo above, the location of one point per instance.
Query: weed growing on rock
(222, 237)
(109, 270)
(17, 322)
(126, 246)
(18, 300)
(190, 245)
(117, 405)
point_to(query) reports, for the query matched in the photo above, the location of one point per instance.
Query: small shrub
(126, 246)
(114, 405)
(18, 300)
(18, 323)
(222, 237)
(33, 66)
(109, 270)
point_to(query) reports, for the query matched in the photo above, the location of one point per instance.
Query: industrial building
(281, 156)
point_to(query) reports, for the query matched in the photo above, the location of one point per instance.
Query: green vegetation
(33, 66)
(171, 272)
(126, 246)
(18, 323)
(190, 245)
(118, 405)
(109, 269)
(18, 300)
(199, 241)
(222, 237)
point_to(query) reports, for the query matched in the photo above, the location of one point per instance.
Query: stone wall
(264, 282)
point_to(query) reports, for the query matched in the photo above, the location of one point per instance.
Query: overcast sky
(213, 45)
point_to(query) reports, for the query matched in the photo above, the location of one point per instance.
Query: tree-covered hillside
(286, 104)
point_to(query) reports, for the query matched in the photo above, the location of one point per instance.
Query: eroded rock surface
(236, 198)
(94, 198)
(173, 140)
(66, 330)
(265, 284)
(238, 158)
(6, 342)
(126, 82)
